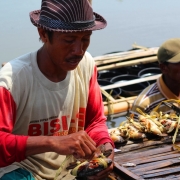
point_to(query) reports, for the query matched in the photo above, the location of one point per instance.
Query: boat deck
(152, 159)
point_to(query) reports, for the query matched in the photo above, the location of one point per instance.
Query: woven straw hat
(67, 16)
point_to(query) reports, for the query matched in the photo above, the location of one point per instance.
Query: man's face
(66, 50)
(172, 71)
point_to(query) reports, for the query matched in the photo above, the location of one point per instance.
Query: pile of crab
(154, 123)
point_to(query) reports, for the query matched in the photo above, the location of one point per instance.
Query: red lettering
(72, 120)
(46, 124)
(55, 125)
(80, 123)
(64, 123)
(72, 130)
(81, 116)
(82, 112)
(34, 130)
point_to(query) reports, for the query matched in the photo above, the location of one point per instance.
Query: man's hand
(104, 174)
(78, 144)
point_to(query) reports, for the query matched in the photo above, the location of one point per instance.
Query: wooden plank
(163, 172)
(129, 156)
(159, 170)
(175, 177)
(125, 172)
(147, 143)
(160, 155)
(140, 145)
(171, 177)
(154, 159)
(139, 170)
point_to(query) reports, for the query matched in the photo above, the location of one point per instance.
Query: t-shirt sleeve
(12, 147)
(95, 124)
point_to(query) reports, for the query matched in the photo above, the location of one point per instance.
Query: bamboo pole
(118, 106)
(119, 53)
(128, 63)
(108, 96)
(130, 82)
(115, 58)
(121, 100)
(124, 53)
(140, 47)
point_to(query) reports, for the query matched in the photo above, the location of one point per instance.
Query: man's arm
(12, 147)
(15, 148)
(95, 124)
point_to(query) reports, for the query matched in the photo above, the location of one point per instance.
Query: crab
(85, 168)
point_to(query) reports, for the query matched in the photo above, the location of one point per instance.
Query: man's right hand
(78, 144)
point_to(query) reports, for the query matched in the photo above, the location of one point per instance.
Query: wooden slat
(139, 170)
(140, 145)
(150, 159)
(131, 155)
(147, 143)
(175, 177)
(158, 170)
(171, 177)
(163, 172)
(125, 172)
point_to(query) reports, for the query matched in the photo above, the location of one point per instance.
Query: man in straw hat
(51, 107)
(167, 85)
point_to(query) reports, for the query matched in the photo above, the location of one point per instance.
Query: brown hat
(67, 16)
(169, 51)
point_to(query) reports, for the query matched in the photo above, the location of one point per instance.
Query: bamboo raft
(139, 56)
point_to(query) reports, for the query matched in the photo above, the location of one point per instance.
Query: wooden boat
(137, 56)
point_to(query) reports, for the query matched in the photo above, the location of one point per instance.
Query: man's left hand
(104, 174)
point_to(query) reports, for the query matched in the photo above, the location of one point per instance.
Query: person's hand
(104, 174)
(79, 144)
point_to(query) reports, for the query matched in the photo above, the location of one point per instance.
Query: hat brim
(100, 23)
(175, 59)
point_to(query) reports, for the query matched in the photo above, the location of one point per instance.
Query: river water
(146, 23)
